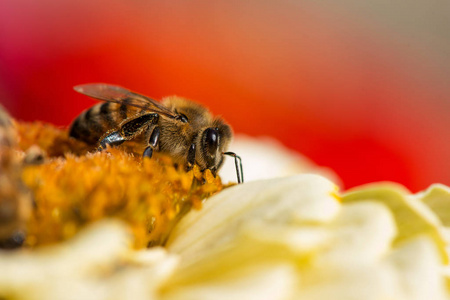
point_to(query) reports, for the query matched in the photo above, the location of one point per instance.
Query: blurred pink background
(359, 86)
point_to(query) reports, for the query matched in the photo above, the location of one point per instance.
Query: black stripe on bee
(123, 109)
(77, 130)
(105, 114)
(91, 120)
(88, 115)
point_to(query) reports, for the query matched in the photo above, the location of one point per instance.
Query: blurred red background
(358, 86)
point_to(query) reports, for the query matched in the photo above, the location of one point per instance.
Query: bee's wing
(117, 94)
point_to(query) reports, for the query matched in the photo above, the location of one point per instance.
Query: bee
(185, 130)
(15, 198)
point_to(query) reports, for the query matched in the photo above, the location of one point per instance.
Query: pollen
(76, 185)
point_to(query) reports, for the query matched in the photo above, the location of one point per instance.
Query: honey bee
(181, 128)
(15, 199)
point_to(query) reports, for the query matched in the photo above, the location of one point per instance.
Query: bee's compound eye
(211, 140)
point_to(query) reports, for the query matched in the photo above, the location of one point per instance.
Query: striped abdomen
(94, 122)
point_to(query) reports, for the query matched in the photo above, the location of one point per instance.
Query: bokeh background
(359, 86)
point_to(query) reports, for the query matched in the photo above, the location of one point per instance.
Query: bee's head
(211, 144)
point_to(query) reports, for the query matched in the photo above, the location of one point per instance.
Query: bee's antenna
(239, 170)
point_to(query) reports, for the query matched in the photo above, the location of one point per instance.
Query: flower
(71, 191)
(294, 237)
(375, 242)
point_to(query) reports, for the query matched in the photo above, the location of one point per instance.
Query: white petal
(353, 282)
(298, 239)
(418, 268)
(263, 281)
(86, 267)
(293, 200)
(361, 233)
(265, 157)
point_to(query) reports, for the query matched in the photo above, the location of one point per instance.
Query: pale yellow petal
(412, 217)
(437, 197)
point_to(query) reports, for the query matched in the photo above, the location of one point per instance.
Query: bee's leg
(153, 142)
(112, 139)
(190, 157)
(129, 130)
